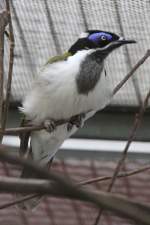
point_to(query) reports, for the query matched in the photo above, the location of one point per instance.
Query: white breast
(54, 93)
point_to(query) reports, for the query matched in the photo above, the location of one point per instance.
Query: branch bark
(136, 125)
(3, 24)
(11, 59)
(89, 181)
(19, 130)
(121, 175)
(134, 69)
(138, 212)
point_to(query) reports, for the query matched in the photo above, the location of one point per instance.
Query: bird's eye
(103, 38)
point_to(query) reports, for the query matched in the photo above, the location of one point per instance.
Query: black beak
(124, 41)
(118, 43)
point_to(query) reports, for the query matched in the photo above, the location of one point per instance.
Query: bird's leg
(49, 125)
(76, 121)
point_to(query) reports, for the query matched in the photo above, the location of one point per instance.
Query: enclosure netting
(44, 28)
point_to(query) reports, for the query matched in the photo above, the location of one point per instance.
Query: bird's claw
(75, 121)
(50, 125)
(69, 126)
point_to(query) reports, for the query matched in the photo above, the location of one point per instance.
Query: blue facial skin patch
(96, 37)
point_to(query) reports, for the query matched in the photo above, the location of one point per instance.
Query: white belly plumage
(54, 94)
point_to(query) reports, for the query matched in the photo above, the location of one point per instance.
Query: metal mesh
(44, 28)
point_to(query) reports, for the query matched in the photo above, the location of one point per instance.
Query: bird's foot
(50, 125)
(75, 121)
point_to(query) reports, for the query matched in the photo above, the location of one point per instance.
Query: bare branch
(126, 78)
(23, 199)
(117, 204)
(121, 175)
(3, 24)
(11, 59)
(137, 123)
(89, 181)
(19, 130)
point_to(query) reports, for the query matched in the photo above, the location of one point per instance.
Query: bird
(71, 87)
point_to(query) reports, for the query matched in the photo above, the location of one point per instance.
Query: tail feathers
(30, 203)
(33, 202)
(44, 147)
(24, 138)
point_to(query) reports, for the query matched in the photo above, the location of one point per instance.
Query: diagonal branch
(136, 125)
(5, 181)
(115, 203)
(3, 24)
(133, 70)
(121, 175)
(18, 201)
(11, 59)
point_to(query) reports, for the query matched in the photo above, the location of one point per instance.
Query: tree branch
(137, 123)
(28, 128)
(121, 175)
(89, 181)
(133, 70)
(138, 212)
(11, 59)
(3, 24)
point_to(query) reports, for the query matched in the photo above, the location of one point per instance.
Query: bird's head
(101, 40)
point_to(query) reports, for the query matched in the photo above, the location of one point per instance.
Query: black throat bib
(90, 72)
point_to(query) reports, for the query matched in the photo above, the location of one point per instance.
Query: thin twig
(89, 181)
(11, 59)
(12, 203)
(121, 175)
(137, 65)
(19, 130)
(3, 24)
(136, 124)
